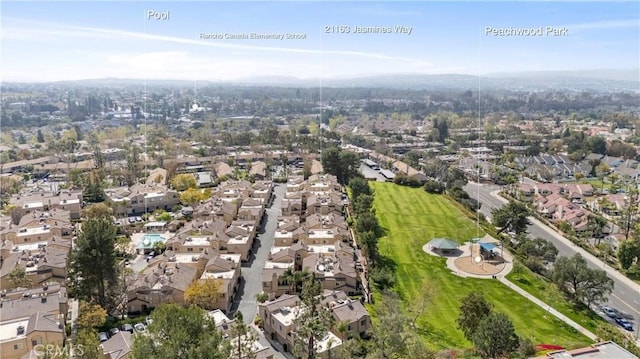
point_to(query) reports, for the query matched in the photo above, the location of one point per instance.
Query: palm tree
(342, 329)
(299, 277)
(596, 224)
(294, 279)
(289, 278)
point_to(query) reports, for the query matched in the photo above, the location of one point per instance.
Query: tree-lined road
(626, 294)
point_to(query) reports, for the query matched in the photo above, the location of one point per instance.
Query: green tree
(363, 203)
(369, 242)
(87, 339)
(512, 217)
(91, 316)
(629, 252)
(602, 170)
(579, 282)
(313, 322)
(394, 337)
(537, 247)
(77, 178)
(596, 225)
(495, 336)
(181, 332)
(94, 186)
(18, 278)
(358, 186)
(98, 157)
(473, 310)
(93, 270)
(98, 210)
(342, 164)
(596, 144)
(295, 279)
(367, 222)
(40, 136)
(242, 338)
(342, 328)
(132, 172)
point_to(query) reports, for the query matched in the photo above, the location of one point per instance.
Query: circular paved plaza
(467, 261)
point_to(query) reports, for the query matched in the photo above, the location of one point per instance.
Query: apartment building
(29, 317)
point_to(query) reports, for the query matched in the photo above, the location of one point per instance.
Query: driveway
(252, 270)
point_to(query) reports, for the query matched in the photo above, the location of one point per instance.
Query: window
(363, 322)
(349, 327)
(17, 346)
(189, 249)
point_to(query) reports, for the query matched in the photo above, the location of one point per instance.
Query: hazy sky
(63, 40)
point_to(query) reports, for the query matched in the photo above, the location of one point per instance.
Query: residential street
(626, 293)
(252, 270)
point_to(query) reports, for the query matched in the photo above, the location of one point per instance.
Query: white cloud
(82, 31)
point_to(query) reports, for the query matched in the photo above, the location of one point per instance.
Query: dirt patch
(485, 267)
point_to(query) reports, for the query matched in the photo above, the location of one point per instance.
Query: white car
(140, 328)
(610, 312)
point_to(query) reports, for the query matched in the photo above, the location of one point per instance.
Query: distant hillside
(601, 80)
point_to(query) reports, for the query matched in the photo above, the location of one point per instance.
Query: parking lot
(368, 172)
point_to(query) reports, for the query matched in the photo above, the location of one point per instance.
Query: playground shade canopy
(443, 243)
(487, 246)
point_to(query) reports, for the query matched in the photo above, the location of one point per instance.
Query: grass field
(412, 217)
(549, 293)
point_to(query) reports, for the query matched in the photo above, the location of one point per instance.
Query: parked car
(148, 320)
(128, 328)
(610, 312)
(140, 327)
(131, 219)
(113, 331)
(138, 219)
(103, 337)
(625, 324)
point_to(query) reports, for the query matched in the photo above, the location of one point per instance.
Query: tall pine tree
(313, 322)
(94, 274)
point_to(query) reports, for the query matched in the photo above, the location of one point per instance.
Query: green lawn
(549, 293)
(596, 183)
(412, 217)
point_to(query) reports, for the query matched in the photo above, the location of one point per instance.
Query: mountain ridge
(603, 79)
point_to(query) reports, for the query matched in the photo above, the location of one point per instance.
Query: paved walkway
(74, 309)
(487, 271)
(548, 308)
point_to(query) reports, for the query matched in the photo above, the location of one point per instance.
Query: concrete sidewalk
(548, 308)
